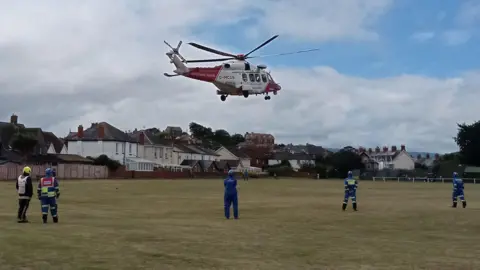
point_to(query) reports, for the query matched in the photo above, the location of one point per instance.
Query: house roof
(226, 163)
(60, 158)
(111, 134)
(189, 162)
(206, 164)
(50, 138)
(236, 152)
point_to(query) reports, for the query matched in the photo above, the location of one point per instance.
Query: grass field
(284, 224)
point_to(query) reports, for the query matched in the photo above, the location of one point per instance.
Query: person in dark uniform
(230, 196)
(25, 192)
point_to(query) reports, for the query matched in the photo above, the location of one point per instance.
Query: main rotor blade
(280, 54)
(209, 60)
(201, 47)
(263, 44)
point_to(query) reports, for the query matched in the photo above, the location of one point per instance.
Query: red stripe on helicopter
(207, 74)
(272, 87)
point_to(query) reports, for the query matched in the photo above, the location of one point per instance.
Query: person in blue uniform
(458, 191)
(350, 191)
(230, 196)
(48, 192)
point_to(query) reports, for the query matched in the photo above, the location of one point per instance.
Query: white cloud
(324, 20)
(423, 36)
(65, 63)
(469, 13)
(456, 37)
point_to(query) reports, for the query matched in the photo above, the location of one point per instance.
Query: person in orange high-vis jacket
(48, 192)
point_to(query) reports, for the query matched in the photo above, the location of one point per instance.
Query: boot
(354, 206)
(454, 205)
(44, 218)
(344, 206)
(464, 203)
(55, 219)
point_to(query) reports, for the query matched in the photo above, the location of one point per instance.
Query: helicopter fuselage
(236, 78)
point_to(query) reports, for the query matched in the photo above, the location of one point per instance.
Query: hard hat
(48, 171)
(231, 172)
(27, 170)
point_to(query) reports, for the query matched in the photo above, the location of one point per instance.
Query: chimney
(142, 138)
(385, 149)
(402, 147)
(394, 148)
(100, 131)
(370, 150)
(428, 156)
(377, 149)
(80, 131)
(14, 119)
(437, 156)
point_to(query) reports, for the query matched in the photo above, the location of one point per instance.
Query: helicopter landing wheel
(267, 97)
(245, 94)
(223, 97)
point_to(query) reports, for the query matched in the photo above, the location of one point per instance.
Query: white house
(105, 139)
(392, 158)
(152, 149)
(182, 152)
(296, 160)
(230, 154)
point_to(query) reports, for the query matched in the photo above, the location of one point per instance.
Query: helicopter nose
(277, 87)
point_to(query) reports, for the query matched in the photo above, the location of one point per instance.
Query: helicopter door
(247, 66)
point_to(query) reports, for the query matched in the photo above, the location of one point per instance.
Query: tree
(104, 160)
(468, 140)
(214, 138)
(344, 161)
(237, 138)
(24, 143)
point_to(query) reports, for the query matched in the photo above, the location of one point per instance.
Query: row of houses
(144, 150)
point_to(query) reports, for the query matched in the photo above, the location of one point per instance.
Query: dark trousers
(22, 208)
(231, 200)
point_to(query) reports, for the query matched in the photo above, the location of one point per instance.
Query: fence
(423, 179)
(11, 171)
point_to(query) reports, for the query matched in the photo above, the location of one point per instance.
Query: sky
(388, 72)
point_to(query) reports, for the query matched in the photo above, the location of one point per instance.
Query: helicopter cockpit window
(247, 66)
(245, 77)
(252, 77)
(257, 77)
(264, 78)
(269, 77)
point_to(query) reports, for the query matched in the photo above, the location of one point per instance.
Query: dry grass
(284, 224)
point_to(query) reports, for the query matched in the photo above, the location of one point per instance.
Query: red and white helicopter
(234, 78)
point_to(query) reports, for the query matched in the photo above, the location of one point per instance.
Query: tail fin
(177, 59)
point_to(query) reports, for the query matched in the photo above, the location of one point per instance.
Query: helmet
(27, 170)
(231, 172)
(48, 171)
(350, 174)
(455, 174)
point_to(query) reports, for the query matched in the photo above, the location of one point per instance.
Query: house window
(155, 153)
(264, 78)
(117, 147)
(244, 77)
(130, 148)
(257, 77)
(252, 77)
